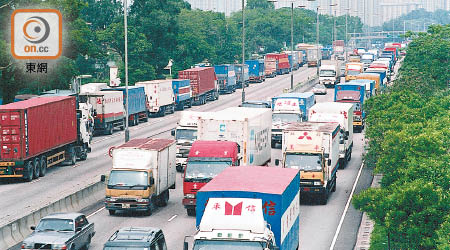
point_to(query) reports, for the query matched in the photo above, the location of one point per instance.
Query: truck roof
(34, 102)
(252, 179)
(330, 107)
(325, 127)
(296, 95)
(197, 69)
(213, 149)
(147, 143)
(237, 113)
(155, 81)
(328, 66)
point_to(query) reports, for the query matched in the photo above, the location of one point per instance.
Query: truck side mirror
(329, 162)
(152, 181)
(33, 228)
(186, 246)
(238, 148)
(277, 162)
(347, 133)
(103, 178)
(172, 132)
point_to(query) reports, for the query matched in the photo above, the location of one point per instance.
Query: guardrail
(13, 233)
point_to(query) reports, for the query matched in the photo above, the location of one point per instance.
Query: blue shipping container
(238, 69)
(137, 99)
(280, 198)
(305, 101)
(181, 89)
(351, 92)
(226, 77)
(255, 68)
(370, 85)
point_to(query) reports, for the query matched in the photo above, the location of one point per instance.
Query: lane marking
(96, 212)
(173, 217)
(333, 243)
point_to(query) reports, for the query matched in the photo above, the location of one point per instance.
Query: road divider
(14, 232)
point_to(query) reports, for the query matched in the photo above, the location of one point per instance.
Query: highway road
(22, 198)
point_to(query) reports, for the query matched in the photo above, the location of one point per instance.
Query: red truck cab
(206, 159)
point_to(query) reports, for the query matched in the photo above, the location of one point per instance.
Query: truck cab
(328, 75)
(352, 70)
(367, 59)
(143, 171)
(313, 149)
(353, 92)
(206, 159)
(288, 108)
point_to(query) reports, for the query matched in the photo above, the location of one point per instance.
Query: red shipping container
(35, 126)
(202, 79)
(283, 60)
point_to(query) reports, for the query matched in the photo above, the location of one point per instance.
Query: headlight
(143, 200)
(111, 199)
(59, 246)
(317, 183)
(190, 196)
(27, 245)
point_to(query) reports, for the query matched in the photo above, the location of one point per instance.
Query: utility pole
(243, 51)
(317, 40)
(292, 44)
(127, 131)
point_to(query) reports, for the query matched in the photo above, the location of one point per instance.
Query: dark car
(256, 104)
(70, 231)
(136, 238)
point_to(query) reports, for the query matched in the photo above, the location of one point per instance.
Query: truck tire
(28, 173)
(112, 212)
(43, 164)
(36, 168)
(164, 199)
(162, 111)
(109, 129)
(122, 127)
(83, 153)
(190, 211)
(323, 198)
(333, 189)
(190, 103)
(72, 155)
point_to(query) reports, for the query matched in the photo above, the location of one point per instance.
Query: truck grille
(126, 200)
(42, 246)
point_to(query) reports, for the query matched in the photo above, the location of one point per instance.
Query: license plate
(125, 205)
(306, 189)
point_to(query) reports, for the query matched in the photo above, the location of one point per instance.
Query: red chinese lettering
(269, 208)
(251, 208)
(233, 210)
(216, 206)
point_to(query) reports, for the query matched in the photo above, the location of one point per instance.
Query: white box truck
(313, 149)
(329, 75)
(185, 134)
(160, 97)
(93, 87)
(249, 127)
(343, 114)
(143, 171)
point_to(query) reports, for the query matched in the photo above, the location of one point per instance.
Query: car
(70, 231)
(319, 89)
(136, 238)
(256, 104)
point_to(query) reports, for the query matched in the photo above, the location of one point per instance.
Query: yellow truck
(352, 70)
(143, 171)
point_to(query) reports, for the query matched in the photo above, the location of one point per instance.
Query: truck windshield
(286, 117)
(186, 134)
(327, 73)
(366, 60)
(128, 179)
(126, 248)
(198, 170)
(304, 162)
(254, 105)
(228, 245)
(55, 225)
(353, 72)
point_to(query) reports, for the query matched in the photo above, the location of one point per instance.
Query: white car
(319, 89)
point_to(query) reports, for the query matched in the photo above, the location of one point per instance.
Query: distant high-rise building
(223, 6)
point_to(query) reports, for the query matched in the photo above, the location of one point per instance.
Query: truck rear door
(10, 124)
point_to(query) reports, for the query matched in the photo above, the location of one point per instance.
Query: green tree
(259, 4)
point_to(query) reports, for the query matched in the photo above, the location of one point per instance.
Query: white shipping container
(93, 87)
(161, 162)
(159, 93)
(249, 127)
(106, 103)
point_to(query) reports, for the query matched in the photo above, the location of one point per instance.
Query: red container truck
(203, 84)
(282, 62)
(40, 133)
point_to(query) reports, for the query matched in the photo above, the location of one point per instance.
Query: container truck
(182, 92)
(352, 70)
(282, 59)
(369, 86)
(93, 87)
(108, 108)
(143, 171)
(159, 97)
(226, 78)
(329, 75)
(294, 57)
(39, 133)
(326, 53)
(314, 56)
(341, 113)
(338, 47)
(256, 70)
(371, 76)
(248, 127)
(270, 67)
(137, 106)
(313, 149)
(241, 79)
(353, 92)
(206, 159)
(203, 84)
(248, 210)
(367, 59)
(185, 134)
(287, 108)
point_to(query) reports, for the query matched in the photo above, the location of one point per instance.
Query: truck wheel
(83, 154)
(323, 199)
(164, 199)
(190, 211)
(36, 168)
(162, 111)
(72, 155)
(189, 103)
(112, 212)
(333, 189)
(28, 175)
(43, 164)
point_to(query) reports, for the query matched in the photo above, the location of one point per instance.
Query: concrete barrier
(16, 231)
